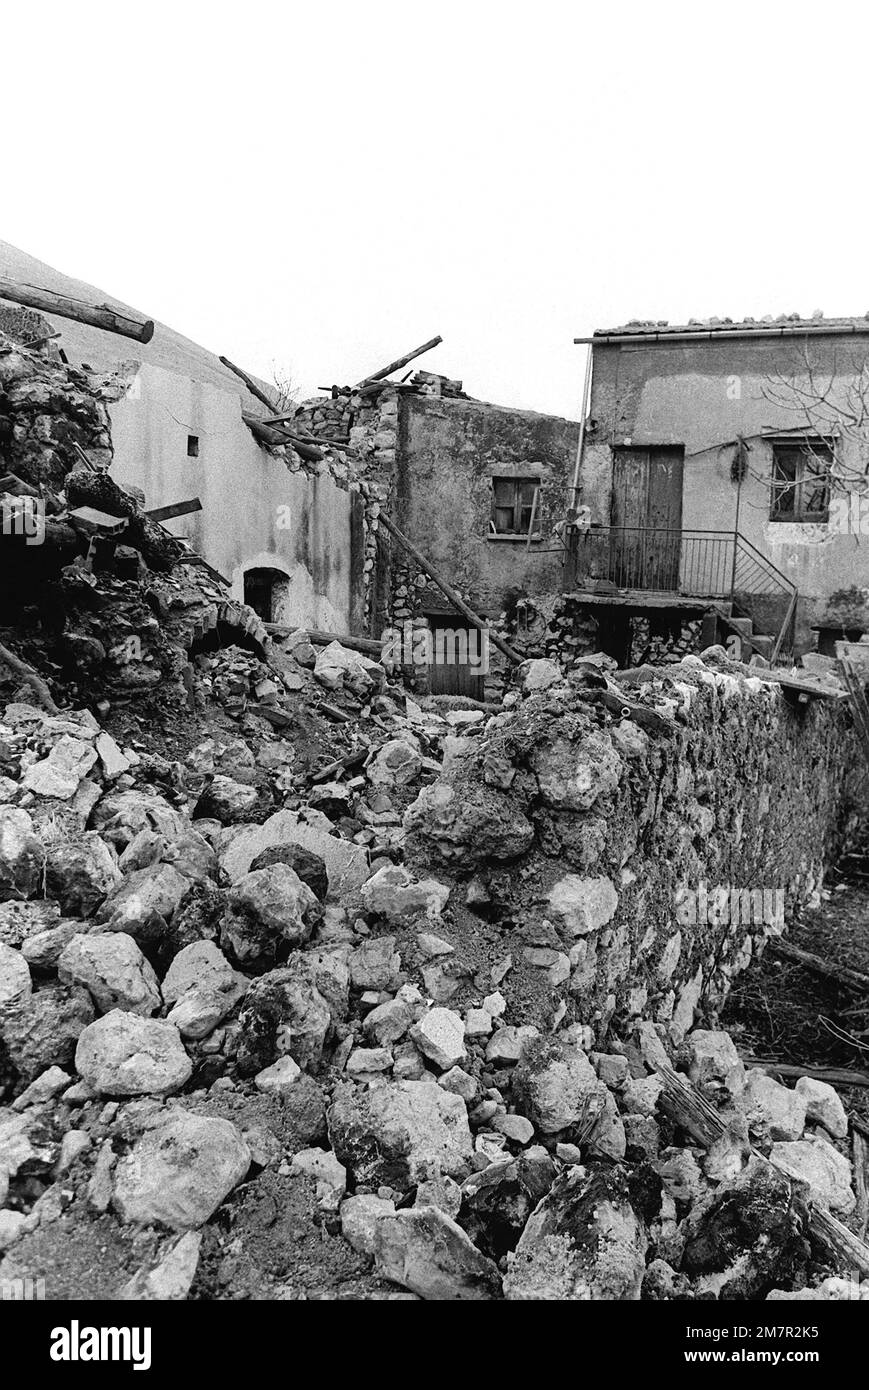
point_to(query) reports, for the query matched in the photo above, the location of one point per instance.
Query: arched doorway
(265, 590)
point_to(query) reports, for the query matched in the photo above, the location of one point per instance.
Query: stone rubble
(338, 956)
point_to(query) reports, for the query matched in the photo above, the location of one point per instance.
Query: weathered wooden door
(646, 517)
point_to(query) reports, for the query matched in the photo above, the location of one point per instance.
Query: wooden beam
(458, 603)
(399, 362)
(834, 1076)
(175, 509)
(839, 974)
(367, 645)
(97, 315)
(250, 384)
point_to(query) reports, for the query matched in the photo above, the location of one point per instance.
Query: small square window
(193, 446)
(513, 505)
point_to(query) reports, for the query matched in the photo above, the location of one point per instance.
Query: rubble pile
(311, 989)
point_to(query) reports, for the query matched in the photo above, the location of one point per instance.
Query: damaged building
(723, 466)
(320, 981)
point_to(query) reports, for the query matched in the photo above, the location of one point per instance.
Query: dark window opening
(801, 480)
(513, 505)
(193, 446)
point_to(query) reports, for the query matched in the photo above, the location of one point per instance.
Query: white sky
(326, 186)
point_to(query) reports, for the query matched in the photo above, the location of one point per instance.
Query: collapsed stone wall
(609, 830)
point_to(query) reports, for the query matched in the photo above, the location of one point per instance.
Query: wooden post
(399, 362)
(97, 315)
(447, 589)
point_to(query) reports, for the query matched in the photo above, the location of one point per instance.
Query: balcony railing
(693, 564)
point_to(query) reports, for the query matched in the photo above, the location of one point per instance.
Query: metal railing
(719, 565)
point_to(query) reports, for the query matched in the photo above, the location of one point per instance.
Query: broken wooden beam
(458, 603)
(26, 673)
(839, 974)
(174, 509)
(251, 385)
(399, 362)
(834, 1076)
(367, 645)
(97, 315)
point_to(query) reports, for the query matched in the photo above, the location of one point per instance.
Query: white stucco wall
(255, 513)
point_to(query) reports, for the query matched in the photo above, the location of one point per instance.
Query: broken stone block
(772, 1110)
(375, 964)
(41, 1031)
(399, 1134)
(459, 1082)
(539, 674)
(226, 800)
(80, 873)
(396, 764)
(309, 867)
(279, 1076)
(328, 1174)
(110, 966)
(59, 774)
(389, 1022)
(469, 826)
(170, 1280)
(121, 815)
(573, 776)
(15, 983)
(365, 1061)
(584, 1242)
(744, 1235)
(122, 1054)
(268, 911)
(506, 1044)
(425, 1251)
(346, 863)
(514, 1127)
(823, 1106)
(713, 1062)
(283, 1014)
(22, 856)
(179, 1171)
(583, 904)
(359, 1218)
(440, 1036)
(823, 1168)
(394, 894)
(337, 667)
(556, 1085)
(144, 903)
(21, 921)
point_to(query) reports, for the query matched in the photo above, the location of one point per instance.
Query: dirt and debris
(313, 988)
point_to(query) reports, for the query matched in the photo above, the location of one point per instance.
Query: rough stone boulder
(556, 1086)
(393, 893)
(267, 912)
(122, 1054)
(144, 903)
(60, 773)
(203, 987)
(823, 1106)
(428, 1253)
(398, 1134)
(346, 863)
(713, 1062)
(826, 1172)
(584, 1242)
(15, 982)
(80, 873)
(773, 1111)
(583, 905)
(396, 764)
(310, 867)
(113, 970)
(746, 1236)
(41, 1031)
(440, 1036)
(497, 1202)
(338, 667)
(178, 1173)
(120, 816)
(375, 964)
(226, 800)
(574, 774)
(468, 824)
(22, 855)
(283, 1014)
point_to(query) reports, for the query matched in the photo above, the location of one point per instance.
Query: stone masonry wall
(589, 841)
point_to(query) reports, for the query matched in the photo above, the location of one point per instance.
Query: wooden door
(646, 518)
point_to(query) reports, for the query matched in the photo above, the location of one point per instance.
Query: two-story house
(721, 476)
